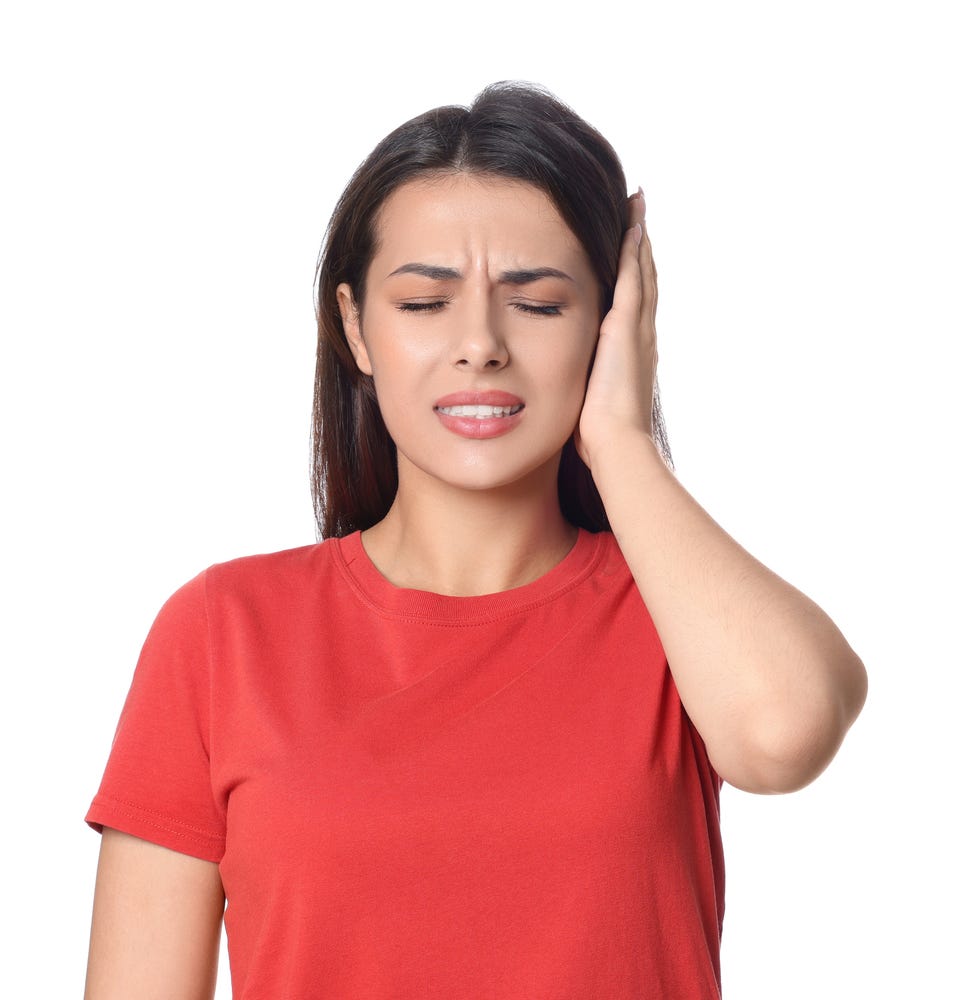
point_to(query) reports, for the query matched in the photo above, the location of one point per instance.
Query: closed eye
(525, 307)
(538, 310)
(420, 306)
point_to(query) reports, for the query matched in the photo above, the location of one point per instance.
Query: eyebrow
(524, 276)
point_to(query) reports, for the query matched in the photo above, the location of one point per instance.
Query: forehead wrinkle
(449, 215)
(516, 276)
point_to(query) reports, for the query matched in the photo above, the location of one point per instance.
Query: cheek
(398, 356)
(402, 362)
(394, 395)
(401, 346)
(577, 365)
(567, 375)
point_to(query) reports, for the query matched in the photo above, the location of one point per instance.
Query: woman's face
(478, 322)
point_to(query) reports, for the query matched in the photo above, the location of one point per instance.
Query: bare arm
(768, 680)
(155, 925)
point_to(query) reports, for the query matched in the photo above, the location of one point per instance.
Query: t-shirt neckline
(405, 603)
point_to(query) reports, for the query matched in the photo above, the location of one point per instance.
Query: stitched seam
(588, 570)
(153, 818)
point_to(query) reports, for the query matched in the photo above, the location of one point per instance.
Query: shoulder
(249, 581)
(293, 562)
(271, 576)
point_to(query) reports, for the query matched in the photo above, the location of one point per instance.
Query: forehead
(464, 217)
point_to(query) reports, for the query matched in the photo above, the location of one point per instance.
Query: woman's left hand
(619, 396)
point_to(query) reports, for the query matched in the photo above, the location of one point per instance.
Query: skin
(766, 677)
(474, 516)
(156, 923)
(768, 680)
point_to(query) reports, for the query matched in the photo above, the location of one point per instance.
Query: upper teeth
(479, 411)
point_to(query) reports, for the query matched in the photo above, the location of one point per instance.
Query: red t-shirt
(413, 795)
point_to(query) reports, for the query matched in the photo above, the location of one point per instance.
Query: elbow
(781, 759)
(783, 751)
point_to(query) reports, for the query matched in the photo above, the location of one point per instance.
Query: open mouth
(480, 412)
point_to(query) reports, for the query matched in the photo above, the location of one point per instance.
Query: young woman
(441, 753)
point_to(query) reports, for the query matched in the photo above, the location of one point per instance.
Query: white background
(811, 172)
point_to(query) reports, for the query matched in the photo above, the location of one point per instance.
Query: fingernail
(639, 191)
(636, 234)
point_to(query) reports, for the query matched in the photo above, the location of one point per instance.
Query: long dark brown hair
(512, 130)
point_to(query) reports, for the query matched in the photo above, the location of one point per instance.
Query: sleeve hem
(158, 829)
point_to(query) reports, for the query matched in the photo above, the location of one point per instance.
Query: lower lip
(480, 427)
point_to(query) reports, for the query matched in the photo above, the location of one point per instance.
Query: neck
(469, 542)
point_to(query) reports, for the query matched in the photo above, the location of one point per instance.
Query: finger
(648, 269)
(636, 207)
(650, 289)
(628, 293)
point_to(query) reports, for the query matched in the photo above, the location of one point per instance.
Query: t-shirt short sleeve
(157, 783)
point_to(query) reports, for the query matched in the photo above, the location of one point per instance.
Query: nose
(480, 345)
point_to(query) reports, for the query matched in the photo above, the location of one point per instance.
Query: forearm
(764, 674)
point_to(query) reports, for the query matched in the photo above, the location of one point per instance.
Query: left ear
(352, 328)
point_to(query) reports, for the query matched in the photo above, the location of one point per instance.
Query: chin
(486, 476)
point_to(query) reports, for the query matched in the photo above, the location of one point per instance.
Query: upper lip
(491, 398)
